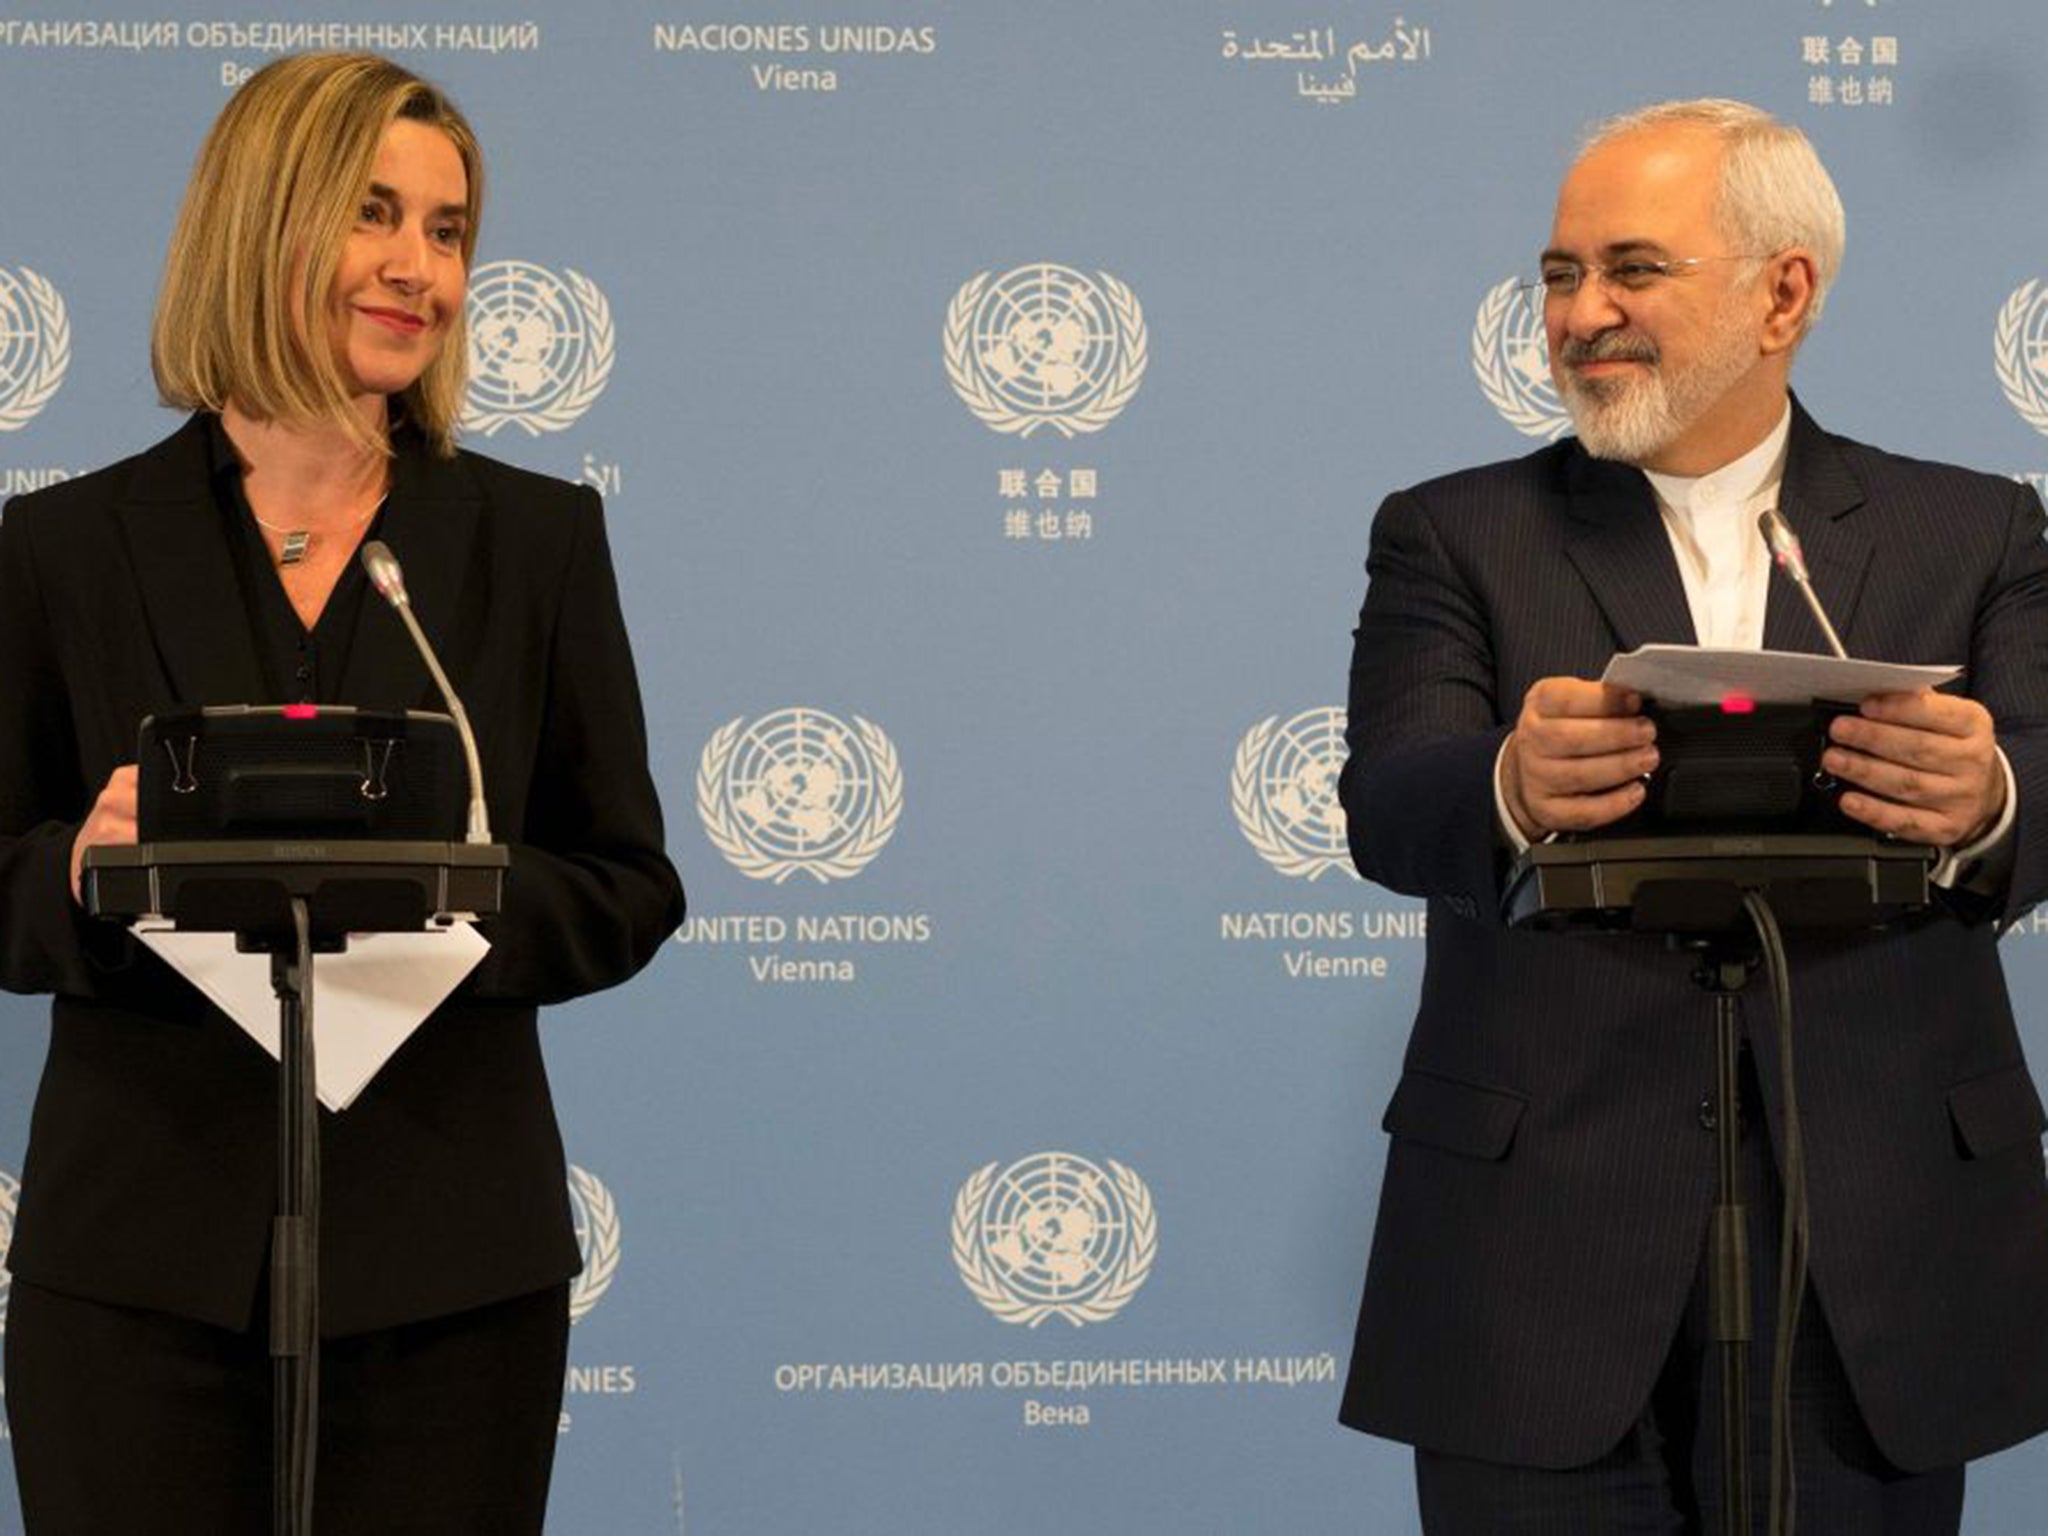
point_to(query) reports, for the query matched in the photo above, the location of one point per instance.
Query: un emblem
(35, 345)
(597, 1237)
(1283, 787)
(1045, 346)
(799, 790)
(540, 347)
(1054, 1236)
(2021, 351)
(10, 1192)
(1511, 356)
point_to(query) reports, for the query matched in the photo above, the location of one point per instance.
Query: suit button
(1708, 1119)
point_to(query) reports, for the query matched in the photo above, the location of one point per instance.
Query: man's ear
(1788, 279)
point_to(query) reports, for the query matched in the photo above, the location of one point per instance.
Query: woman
(311, 317)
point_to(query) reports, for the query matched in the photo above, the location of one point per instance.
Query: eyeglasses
(1631, 274)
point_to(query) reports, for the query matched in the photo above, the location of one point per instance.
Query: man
(1534, 1319)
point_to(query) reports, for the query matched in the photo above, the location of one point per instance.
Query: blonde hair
(273, 196)
(1774, 191)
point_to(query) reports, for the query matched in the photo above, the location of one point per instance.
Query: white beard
(1633, 419)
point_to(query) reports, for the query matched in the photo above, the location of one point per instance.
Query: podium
(1724, 898)
(292, 900)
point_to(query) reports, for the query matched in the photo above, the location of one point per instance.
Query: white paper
(1692, 674)
(367, 1001)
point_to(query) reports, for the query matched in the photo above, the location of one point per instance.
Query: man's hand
(112, 820)
(1929, 762)
(1576, 756)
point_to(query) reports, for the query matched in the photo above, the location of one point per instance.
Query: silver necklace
(298, 542)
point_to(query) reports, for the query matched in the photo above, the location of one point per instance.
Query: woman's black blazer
(150, 1176)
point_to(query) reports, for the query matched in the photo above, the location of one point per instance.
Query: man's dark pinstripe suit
(1548, 1181)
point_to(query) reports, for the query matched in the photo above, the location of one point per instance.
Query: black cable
(1793, 1232)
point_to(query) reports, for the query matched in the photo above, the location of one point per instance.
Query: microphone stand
(1704, 894)
(292, 901)
(295, 1237)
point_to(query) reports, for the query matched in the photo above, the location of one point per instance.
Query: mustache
(1613, 347)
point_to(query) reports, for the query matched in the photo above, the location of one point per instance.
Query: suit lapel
(431, 526)
(191, 599)
(1817, 496)
(1620, 548)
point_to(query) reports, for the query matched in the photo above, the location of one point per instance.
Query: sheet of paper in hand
(1691, 674)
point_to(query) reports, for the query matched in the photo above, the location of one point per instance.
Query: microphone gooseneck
(1784, 547)
(389, 579)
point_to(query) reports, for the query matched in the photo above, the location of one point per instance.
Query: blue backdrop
(991, 401)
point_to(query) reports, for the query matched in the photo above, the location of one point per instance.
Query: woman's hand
(112, 820)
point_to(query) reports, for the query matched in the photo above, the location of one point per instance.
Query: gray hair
(1774, 190)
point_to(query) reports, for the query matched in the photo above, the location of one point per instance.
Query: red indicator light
(1737, 704)
(302, 711)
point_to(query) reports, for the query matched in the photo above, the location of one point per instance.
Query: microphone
(389, 581)
(1784, 546)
